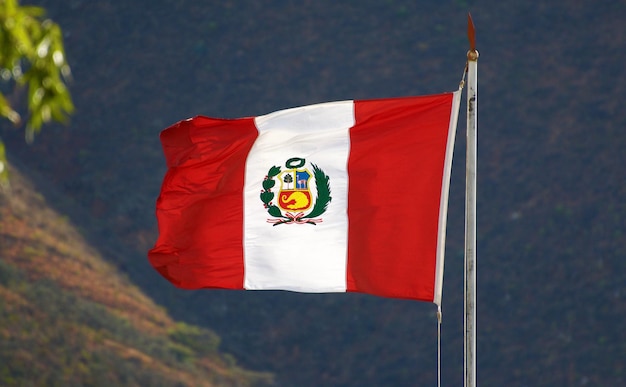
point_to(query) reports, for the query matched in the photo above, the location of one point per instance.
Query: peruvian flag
(346, 196)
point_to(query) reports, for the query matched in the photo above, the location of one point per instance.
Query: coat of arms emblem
(295, 202)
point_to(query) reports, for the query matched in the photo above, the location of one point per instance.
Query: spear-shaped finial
(472, 54)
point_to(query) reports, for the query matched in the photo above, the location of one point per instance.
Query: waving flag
(335, 197)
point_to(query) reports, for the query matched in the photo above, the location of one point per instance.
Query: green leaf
(35, 44)
(8, 112)
(268, 184)
(273, 171)
(275, 211)
(267, 197)
(33, 11)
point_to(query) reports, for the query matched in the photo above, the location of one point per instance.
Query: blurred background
(80, 304)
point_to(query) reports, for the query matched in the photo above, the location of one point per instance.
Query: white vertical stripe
(299, 257)
(445, 189)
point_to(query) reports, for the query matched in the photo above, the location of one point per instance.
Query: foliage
(32, 56)
(201, 341)
(4, 167)
(50, 336)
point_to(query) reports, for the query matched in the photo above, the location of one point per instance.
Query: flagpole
(470, 210)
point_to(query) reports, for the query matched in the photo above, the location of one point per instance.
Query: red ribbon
(294, 218)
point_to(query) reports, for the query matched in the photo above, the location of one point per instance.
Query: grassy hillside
(67, 317)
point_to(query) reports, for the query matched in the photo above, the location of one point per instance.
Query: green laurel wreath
(322, 199)
(323, 193)
(267, 195)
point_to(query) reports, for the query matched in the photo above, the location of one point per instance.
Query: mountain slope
(69, 318)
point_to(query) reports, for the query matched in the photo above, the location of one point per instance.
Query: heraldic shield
(295, 203)
(294, 194)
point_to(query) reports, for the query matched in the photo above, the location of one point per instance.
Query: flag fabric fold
(346, 196)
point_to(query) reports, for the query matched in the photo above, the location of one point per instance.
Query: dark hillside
(552, 217)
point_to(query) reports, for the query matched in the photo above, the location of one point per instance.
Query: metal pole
(470, 212)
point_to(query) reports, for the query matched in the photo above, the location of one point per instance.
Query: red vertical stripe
(200, 208)
(395, 170)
